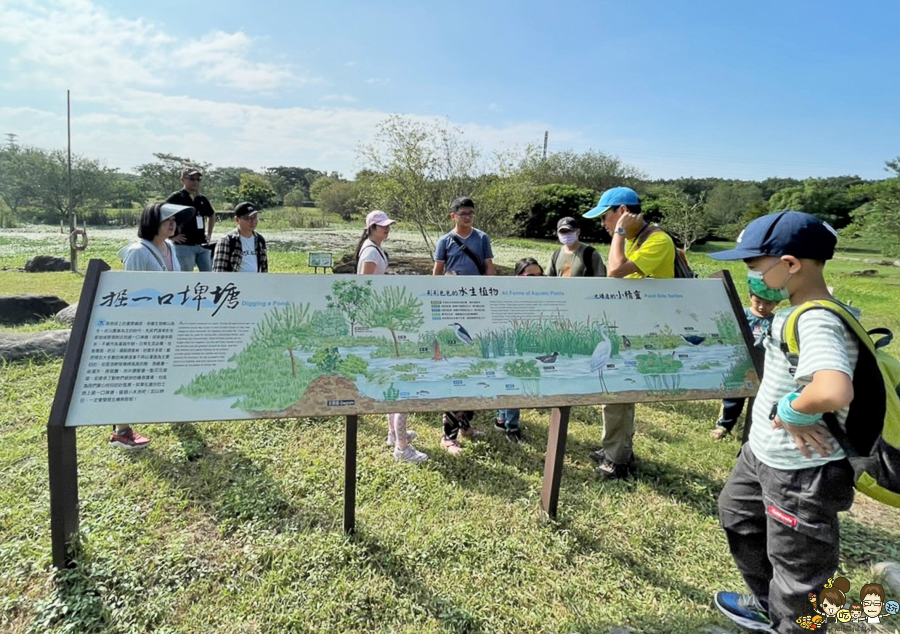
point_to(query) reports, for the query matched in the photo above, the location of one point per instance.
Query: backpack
(680, 266)
(872, 437)
(588, 261)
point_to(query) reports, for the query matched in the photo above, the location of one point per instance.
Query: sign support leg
(553, 463)
(350, 475)
(63, 463)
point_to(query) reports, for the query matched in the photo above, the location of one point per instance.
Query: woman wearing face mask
(574, 258)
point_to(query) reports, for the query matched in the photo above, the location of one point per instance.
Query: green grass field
(236, 527)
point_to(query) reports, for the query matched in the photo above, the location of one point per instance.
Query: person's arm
(222, 257)
(211, 224)
(438, 268)
(440, 256)
(488, 255)
(489, 267)
(619, 264)
(825, 363)
(599, 266)
(368, 268)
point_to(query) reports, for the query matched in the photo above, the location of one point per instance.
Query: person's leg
(512, 420)
(618, 431)
(803, 535)
(500, 422)
(392, 435)
(185, 257)
(125, 437)
(203, 258)
(451, 424)
(400, 431)
(742, 514)
(465, 425)
(730, 413)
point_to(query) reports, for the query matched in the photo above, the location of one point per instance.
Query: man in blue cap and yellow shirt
(638, 249)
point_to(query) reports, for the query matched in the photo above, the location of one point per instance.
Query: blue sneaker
(744, 610)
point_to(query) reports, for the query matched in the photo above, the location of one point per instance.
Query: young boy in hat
(780, 506)
(242, 250)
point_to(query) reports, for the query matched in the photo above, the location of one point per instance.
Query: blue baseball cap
(613, 198)
(784, 233)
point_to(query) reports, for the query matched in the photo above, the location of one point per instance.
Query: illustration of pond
(702, 368)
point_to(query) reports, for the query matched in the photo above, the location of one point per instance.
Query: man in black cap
(197, 228)
(242, 250)
(574, 258)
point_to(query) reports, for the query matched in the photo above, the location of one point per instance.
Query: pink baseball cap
(379, 218)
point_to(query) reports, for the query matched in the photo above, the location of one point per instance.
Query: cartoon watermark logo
(833, 604)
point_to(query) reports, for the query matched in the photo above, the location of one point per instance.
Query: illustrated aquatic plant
(285, 328)
(392, 393)
(660, 371)
(326, 360)
(520, 368)
(728, 329)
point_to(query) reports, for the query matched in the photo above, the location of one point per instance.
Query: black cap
(567, 223)
(242, 210)
(190, 171)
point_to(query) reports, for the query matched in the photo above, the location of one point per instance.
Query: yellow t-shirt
(655, 257)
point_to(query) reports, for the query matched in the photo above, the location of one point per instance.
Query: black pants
(782, 529)
(454, 421)
(731, 412)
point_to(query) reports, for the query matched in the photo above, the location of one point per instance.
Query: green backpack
(872, 437)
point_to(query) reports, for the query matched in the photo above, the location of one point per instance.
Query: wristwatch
(620, 231)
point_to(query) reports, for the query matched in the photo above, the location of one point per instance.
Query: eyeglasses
(874, 604)
(564, 231)
(466, 214)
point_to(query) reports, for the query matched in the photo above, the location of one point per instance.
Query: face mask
(758, 286)
(568, 239)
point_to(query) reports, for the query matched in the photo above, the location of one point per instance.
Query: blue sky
(739, 90)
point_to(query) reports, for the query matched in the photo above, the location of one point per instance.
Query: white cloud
(378, 81)
(76, 44)
(351, 63)
(344, 98)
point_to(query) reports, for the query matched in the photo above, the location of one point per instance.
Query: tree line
(412, 169)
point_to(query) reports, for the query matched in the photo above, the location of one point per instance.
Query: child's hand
(805, 437)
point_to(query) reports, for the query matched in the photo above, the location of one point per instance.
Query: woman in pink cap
(371, 259)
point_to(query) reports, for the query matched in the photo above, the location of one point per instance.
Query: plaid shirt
(228, 254)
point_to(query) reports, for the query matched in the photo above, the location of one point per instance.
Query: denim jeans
(510, 417)
(188, 255)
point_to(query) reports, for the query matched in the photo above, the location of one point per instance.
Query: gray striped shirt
(825, 344)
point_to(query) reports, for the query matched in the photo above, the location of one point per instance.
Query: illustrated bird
(548, 358)
(483, 384)
(626, 342)
(422, 392)
(461, 333)
(630, 380)
(694, 340)
(599, 359)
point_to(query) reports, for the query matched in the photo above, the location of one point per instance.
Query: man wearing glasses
(196, 229)
(463, 251)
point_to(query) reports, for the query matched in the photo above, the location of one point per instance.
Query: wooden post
(350, 475)
(756, 355)
(553, 463)
(62, 457)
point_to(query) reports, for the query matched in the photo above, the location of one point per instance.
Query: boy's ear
(794, 264)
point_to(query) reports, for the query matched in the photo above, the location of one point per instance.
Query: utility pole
(73, 254)
(546, 135)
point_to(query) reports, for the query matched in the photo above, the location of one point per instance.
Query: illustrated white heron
(599, 359)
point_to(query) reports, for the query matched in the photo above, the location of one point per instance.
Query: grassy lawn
(236, 527)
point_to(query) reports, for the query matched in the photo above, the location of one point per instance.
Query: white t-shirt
(371, 252)
(249, 262)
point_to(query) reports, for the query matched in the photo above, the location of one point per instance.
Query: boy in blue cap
(780, 506)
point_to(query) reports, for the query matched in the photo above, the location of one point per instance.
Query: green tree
(593, 170)
(48, 182)
(253, 189)
(163, 176)
(829, 199)
(556, 201)
(393, 308)
(683, 218)
(284, 328)
(17, 166)
(350, 297)
(727, 203)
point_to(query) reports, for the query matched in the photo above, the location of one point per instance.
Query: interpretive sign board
(178, 347)
(320, 260)
(172, 347)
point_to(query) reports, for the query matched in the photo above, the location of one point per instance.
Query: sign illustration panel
(171, 347)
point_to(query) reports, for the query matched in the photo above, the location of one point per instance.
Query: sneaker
(128, 439)
(611, 471)
(744, 610)
(499, 424)
(391, 440)
(470, 432)
(515, 436)
(598, 456)
(719, 433)
(451, 445)
(410, 454)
